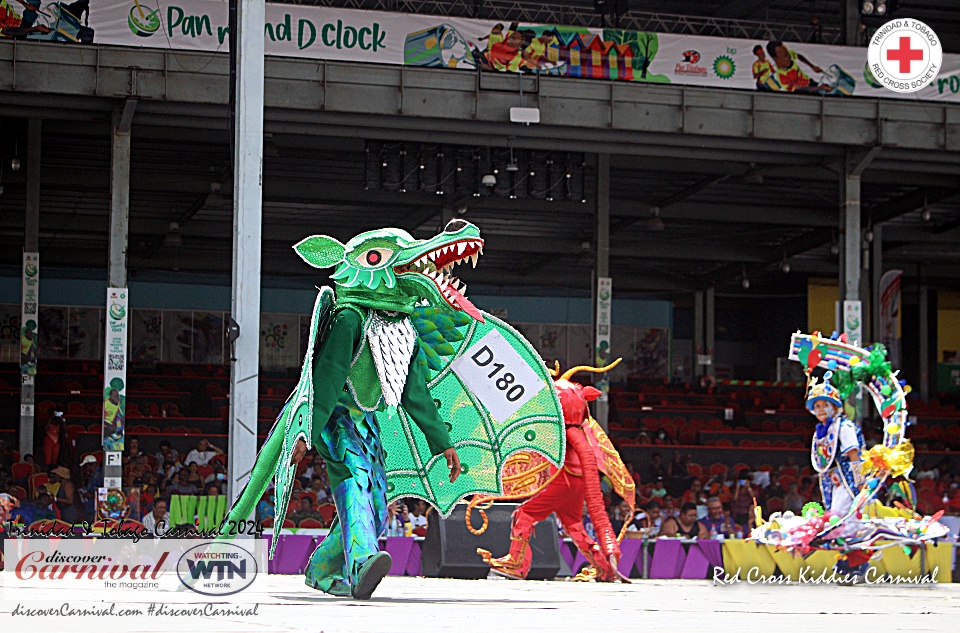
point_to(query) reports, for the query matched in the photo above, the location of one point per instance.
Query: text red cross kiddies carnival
(905, 54)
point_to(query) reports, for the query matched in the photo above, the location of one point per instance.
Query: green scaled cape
(449, 343)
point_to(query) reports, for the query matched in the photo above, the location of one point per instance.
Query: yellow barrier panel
(747, 560)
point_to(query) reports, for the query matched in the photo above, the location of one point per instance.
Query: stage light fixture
(866, 8)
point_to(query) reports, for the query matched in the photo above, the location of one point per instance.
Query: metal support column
(602, 267)
(924, 343)
(710, 330)
(120, 195)
(31, 244)
(698, 346)
(850, 226)
(247, 226)
(851, 22)
(876, 272)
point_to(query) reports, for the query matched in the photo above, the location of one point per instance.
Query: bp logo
(117, 311)
(724, 67)
(142, 21)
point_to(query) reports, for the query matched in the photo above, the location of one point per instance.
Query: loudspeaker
(449, 550)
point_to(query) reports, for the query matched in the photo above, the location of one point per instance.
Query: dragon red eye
(374, 257)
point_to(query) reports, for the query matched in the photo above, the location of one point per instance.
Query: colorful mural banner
(602, 354)
(889, 292)
(115, 370)
(448, 42)
(29, 316)
(279, 340)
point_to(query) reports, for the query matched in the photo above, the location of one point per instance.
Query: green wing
(296, 417)
(483, 442)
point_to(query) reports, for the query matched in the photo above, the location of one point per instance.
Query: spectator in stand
(43, 506)
(662, 439)
(695, 494)
(168, 471)
(620, 514)
(316, 467)
(265, 507)
(394, 520)
(91, 476)
(193, 474)
(158, 515)
(717, 488)
(678, 467)
(181, 486)
(656, 469)
(773, 490)
(658, 490)
(742, 499)
(305, 511)
(794, 500)
(633, 473)
(166, 452)
(418, 517)
(148, 498)
(669, 507)
(64, 494)
(219, 473)
(650, 518)
(317, 488)
(55, 445)
(203, 453)
(717, 521)
(132, 450)
(213, 490)
(135, 470)
(6, 456)
(685, 524)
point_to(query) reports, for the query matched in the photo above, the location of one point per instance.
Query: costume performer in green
(359, 362)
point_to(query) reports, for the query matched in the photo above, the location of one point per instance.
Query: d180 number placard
(497, 375)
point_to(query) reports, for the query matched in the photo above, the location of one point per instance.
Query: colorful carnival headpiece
(823, 391)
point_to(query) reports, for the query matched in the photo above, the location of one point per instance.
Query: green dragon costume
(397, 347)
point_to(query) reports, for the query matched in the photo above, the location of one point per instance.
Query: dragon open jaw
(437, 265)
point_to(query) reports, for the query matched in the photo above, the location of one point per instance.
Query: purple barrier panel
(414, 562)
(293, 554)
(566, 550)
(629, 552)
(578, 562)
(399, 549)
(713, 552)
(696, 565)
(271, 562)
(668, 558)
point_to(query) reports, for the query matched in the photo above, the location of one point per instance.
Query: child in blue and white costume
(836, 446)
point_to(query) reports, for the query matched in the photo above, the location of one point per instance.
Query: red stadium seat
(310, 523)
(327, 511)
(694, 469)
(774, 504)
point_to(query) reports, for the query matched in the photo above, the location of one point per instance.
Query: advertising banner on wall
(890, 313)
(602, 349)
(447, 42)
(115, 370)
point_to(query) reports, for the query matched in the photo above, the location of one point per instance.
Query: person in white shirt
(159, 514)
(418, 518)
(203, 453)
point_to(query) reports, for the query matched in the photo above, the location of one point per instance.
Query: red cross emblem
(905, 55)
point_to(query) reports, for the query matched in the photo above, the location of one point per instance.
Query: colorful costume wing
(610, 464)
(296, 417)
(484, 442)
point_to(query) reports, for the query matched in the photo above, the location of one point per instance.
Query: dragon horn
(556, 369)
(593, 370)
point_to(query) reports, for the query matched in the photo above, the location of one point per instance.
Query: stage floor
(426, 604)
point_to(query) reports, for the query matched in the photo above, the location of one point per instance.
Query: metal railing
(531, 12)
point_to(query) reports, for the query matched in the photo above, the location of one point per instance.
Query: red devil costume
(564, 490)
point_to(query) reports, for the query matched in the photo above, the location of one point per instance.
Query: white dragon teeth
(474, 258)
(461, 247)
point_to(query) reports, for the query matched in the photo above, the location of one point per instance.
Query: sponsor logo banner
(447, 42)
(38, 566)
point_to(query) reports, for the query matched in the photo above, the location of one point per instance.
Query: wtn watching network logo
(219, 570)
